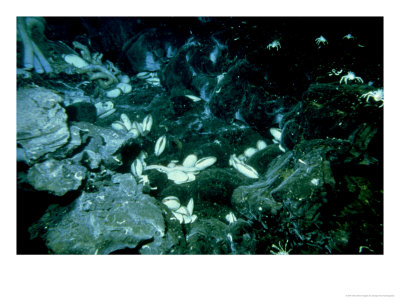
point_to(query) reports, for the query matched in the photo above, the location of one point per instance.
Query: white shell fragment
(205, 162)
(75, 60)
(124, 87)
(261, 145)
(193, 98)
(190, 161)
(276, 133)
(160, 145)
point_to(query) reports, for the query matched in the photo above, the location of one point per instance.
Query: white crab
(350, 76)
(349, 36)
(321, 40)
(376, 95)
(275, 44)
(281, 250)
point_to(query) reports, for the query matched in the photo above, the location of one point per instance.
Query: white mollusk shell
(261, 145)
(193, 98)
(125, 120)
(147, 123)
(75, 60)
(183, 211)
(171, 202)
(134, 132)
(249, 152)
(117, 125)
(178, 216)
(231, 218)
(124, 87)
(190, 206)
(114, 93)
(178, 176)
(137, 126)
(137, 167)
(246, 170)
(276, 133)
(205, 162)
(160, 145)
(190, 161)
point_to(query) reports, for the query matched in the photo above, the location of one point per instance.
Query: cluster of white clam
(239, 162)
(106, 74)
(150, 77)
(187, 171)
(184, 214)
(134, 128)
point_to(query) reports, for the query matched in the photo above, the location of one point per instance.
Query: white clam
(190, 161)
(178, 216)
(147, 124)
(76, 61)
(125, 120)
(114, 93)
(124, 78)
(134, 132)
(190, 206)
(205, 162)
(124, 87)
(276, 133)
(193, 98)
(137, 167)
(249, 152)
(183, 211)
(231, 218)
(246, 170)
(160, 145)
(171, 202)
(117, 125)
(261, 145)
(178, 176)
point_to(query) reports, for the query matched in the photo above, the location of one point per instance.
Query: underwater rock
(57, 177)
(41, 122)
(208, 237)
(116, 217)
